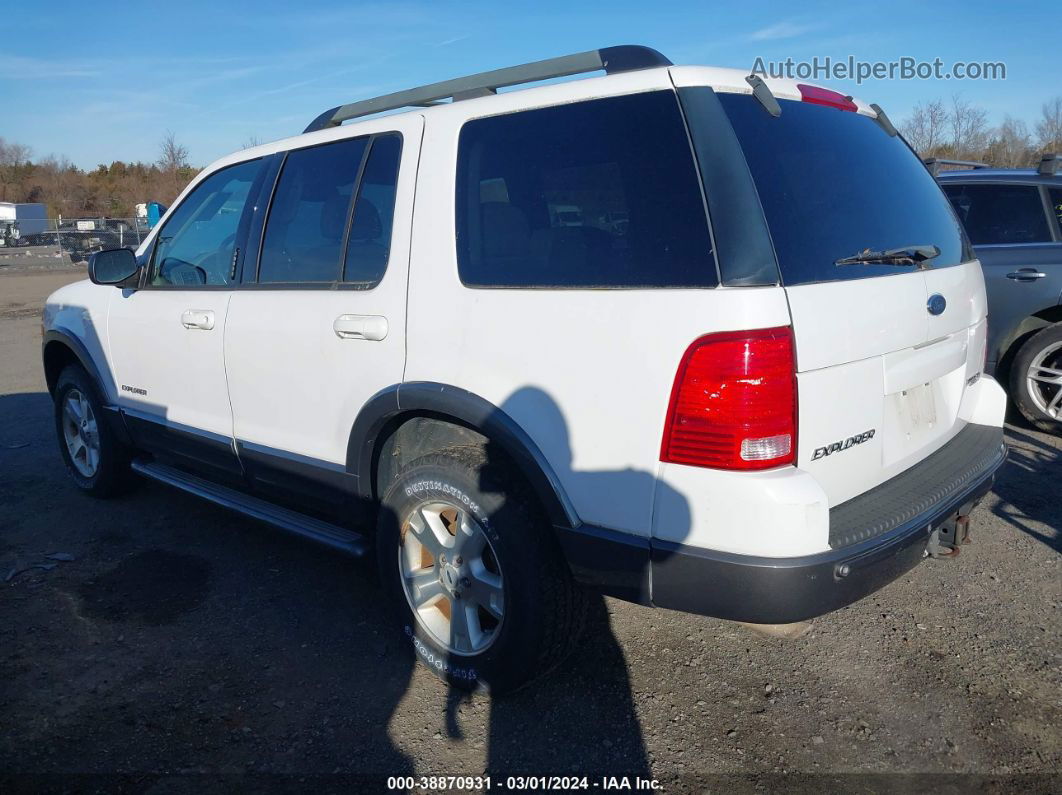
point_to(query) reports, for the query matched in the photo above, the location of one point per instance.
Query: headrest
(334, 215)
(367, 225)
(505, 230)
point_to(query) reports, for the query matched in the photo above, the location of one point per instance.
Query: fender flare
(77, 347)
(387, 408)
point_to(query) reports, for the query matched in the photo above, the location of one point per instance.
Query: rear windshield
(832, 184)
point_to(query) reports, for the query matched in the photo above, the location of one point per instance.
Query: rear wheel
(93, 455)
(484, 595)
(1036, 379)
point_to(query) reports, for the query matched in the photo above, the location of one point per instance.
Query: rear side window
(832, 184)
(369, 241)
(994, 214)
(308, 217)
(1055, 196)
(602, 193)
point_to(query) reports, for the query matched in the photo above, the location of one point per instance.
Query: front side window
(195, 248)
(1000, 214)
(602, 193)
(308, 217)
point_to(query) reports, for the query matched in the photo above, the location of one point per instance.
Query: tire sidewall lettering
(437, 660)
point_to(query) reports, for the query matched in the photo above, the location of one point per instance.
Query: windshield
(833, 184)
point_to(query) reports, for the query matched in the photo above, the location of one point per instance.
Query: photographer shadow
(582, 718)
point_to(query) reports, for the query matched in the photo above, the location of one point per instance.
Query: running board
(325, 533)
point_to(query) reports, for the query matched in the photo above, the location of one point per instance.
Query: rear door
(880, 376)
(320, 327)
(1018, 242)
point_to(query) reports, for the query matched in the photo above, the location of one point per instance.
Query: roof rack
(612, 60)
(1050, 164)
(934, 164)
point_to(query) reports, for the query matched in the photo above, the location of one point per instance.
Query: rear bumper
(890, 525)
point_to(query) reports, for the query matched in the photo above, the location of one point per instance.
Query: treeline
(112, 191)
(959, 130)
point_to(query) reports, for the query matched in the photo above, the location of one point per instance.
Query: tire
(1039, 399)
(523, 611)
(77, 403)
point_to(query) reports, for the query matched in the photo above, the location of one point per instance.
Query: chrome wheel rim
(451, 577)
(80, 433)
(1044, 380)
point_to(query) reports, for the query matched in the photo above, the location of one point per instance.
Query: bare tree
(14, 167)
(251, 142)
(968, 125)
(13, 154)
(924, 130)
(1049, 127)
(1010, 145)
(173, 156)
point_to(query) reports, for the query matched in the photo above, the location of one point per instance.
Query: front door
(322, 327)
(167, 337)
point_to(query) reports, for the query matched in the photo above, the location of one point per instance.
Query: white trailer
(21, 222)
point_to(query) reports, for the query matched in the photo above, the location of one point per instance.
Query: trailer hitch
(946, 539)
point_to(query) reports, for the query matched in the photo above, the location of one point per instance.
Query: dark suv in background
(1014, 220)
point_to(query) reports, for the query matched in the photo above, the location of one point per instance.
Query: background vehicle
(1013, 218)
(762, 399)
(19, 223)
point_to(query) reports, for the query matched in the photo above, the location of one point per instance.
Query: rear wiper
(904, 255)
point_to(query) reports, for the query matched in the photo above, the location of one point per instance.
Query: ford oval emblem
(936, 304)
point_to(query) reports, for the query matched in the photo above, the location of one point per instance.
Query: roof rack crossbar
(934, 164)
(1050, 165)
(612, 60)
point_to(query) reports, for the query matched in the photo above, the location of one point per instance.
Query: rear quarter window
(602, 193)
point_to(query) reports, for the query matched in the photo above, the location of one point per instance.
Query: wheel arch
(1021, 334)
(60, 348)
(473, 420)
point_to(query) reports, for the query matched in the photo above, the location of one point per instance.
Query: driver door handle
(198, 318)
(360, 327)
(1026, 275)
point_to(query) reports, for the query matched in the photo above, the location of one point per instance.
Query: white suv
(760, 397)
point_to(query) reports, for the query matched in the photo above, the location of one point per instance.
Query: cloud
(454, 40)
(781, 30)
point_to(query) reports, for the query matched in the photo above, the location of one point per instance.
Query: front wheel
(484, 596)
(93, 454)
(1036, 379)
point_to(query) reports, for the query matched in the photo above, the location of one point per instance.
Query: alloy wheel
(451, 577)
(80, 433)
(1044, 380)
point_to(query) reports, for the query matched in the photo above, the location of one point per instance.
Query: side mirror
(115, 266)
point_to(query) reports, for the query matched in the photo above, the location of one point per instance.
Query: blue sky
(103, 81)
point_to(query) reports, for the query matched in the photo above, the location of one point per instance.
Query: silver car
(1014, 220)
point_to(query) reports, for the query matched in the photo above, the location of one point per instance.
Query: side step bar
(330, 535)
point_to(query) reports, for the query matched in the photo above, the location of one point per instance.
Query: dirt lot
(173, 646)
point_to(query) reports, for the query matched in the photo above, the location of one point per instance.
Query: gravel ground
(171, 646)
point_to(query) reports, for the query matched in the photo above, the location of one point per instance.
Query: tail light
(733, 405)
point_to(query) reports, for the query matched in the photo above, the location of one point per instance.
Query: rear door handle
(198, 318)
(360, 327)
(1026, 275)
